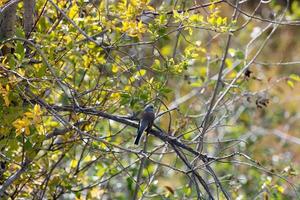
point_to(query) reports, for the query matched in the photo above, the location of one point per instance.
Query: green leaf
(197, 84)
(166, 90)
(20, 33)
(28, 145)
(41, 71)
(19, 51)
(13, 144)
(240, 55)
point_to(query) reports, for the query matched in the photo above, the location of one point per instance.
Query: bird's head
(149, 108)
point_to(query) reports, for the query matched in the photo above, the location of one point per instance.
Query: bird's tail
(138, 137)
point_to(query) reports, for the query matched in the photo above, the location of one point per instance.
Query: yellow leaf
(291, 84)
(114, 68)
(151, 80)
(150, 8)
(86, 61)
(87, 158)
(35, 114)
(101, 59)
(212, 7)
(131, 79)
(203, 71)
(4, 59)
(157, 62)
(194, 18)
(73, 163)
(219, 21)
(176, 14)
(127, 88)
(211, 20)
(37, 109)
(6, 100)
(21, 72)
(68, 39)
(229, 62)
(166, 50)
(232, 74)
(22, 126)
(5, 93)
(73, 11)
(115, 95)
(133, 28)
(190, 30)
(197, 84)
(295, 77)
(225, 21)
(280, 189)
(96, 192)
(141, 72)
(100, 172)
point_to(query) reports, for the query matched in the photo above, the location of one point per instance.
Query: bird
(146, 122)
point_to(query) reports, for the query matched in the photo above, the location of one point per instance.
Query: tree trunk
(7, 23)
(29, 6)
(7, 20)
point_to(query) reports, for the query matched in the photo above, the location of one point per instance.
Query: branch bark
(14, 177)
(29, 6)
(7, 23)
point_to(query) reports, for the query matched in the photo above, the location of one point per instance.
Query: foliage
(71, 94)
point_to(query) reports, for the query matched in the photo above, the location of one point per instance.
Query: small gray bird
(146, 122)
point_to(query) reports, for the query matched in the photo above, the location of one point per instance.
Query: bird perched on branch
(146, 122)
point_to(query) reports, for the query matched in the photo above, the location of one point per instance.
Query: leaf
(73, 11)
(240, 55)
(291, 83)
(166, 90)
(211, 20)
(142, 72)
(231, 52)
(100, 171)
(212, 7)
(20, 51)
(295, 77)
(73, 163)
(115, 95)
(280, 189)
(224, 21)
(41, 70)
(219, 21)
(35, 114)
(22, 126)
(114, 68)
(176, 14)
(187, 191)
(28, 145)
(229, 63)
(125, 95)
(166, 50)
(197, 84)
(13, 144)
(20, 33)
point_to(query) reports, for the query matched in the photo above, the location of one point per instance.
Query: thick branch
(14, 177)
(28, 16)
